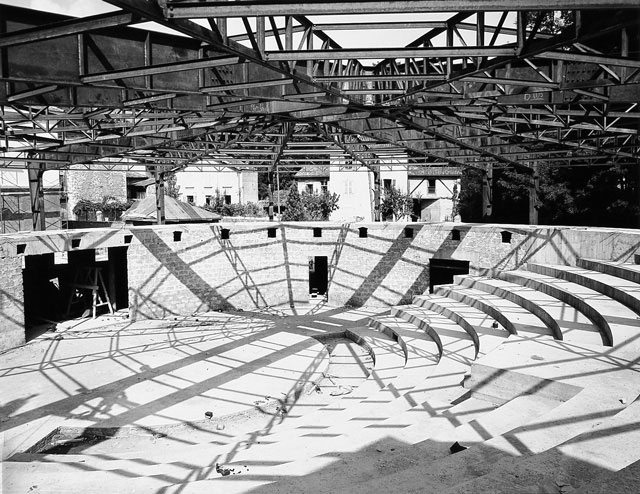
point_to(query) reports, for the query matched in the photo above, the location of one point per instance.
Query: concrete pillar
(487, 192)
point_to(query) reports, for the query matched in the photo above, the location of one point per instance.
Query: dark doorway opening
(442, 271)
(318, 275)
(58, 287)
(416, 210)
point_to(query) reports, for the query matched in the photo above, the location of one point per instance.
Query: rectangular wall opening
(442, 271)
(318, 275)
(60, 288)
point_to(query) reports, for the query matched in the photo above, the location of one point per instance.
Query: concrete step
(624, 291)
(422, 351)
(548, 286)
(596, 411)
(625, 480)
(576, 464)
(571, 324)
(511, 293)
(453, 338)
(511, 316)
(476, 323)
(459, 351)
(362, 456)
(374, 474)
(619, 325)
(624, 270)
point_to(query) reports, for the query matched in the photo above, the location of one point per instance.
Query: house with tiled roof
(313, 178)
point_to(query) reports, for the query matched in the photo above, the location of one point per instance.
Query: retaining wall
(183, 269)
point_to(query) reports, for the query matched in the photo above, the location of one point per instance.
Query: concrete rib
(475, 322)
(619, 324)
(573, 324)
(513, 317)
(624, 291)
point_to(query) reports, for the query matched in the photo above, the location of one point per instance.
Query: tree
(172, 189)
(396, 204)
(567, 196)
(294, 209)
(608, 198)
(318, 207)
(309, 207)
(286, 178)
(470, 198)
(111, 207)
(550, 21)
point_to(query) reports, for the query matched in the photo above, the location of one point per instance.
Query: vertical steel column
(487, 192)
(288, 38)
(271, 195)
(534, 187)
(278, 187)
(376, 193)
(310, 47)
(222, 28)
(521, 26)
(479, 35)
(160, 215)
(260, 35)
(36, 194)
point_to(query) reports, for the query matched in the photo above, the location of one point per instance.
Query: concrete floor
(114, 373)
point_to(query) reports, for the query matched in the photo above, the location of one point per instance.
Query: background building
(199, 187)
(432, 189)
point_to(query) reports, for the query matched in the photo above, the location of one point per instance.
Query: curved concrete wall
(201, 271)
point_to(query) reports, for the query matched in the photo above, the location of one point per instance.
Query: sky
(78, 8)
(347, 39)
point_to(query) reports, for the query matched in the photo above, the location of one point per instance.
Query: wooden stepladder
(85, 280)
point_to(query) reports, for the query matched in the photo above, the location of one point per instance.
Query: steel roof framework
(472, 88)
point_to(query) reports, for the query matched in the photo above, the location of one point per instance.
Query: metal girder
(240, 8)
(165, 68)
(67, 28)
(510, 96)
(377, 53)
(587, 58)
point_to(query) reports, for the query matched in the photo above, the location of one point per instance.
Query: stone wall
(184, 269)
(191, 268)
(201, 271)
(94, 186)
(11, 302)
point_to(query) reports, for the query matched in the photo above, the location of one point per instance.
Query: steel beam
(67, 28)
(239, 8)
(246, 85)
(164, 68)
(386, 53)
(587, 58)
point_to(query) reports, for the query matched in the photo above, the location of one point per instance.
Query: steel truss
(482, 82)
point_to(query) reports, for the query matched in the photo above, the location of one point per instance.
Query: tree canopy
(567, 196)
(309, 207)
